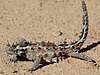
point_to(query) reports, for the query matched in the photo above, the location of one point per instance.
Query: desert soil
(41, 20)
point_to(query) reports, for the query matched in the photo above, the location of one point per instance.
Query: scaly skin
(41, 52)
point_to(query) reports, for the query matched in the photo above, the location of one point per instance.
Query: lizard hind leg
(81, 56)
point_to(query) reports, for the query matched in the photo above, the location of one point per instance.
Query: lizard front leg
(37, 61)
(81, 56)
(13, 57)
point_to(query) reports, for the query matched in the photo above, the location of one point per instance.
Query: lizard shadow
(89, 47)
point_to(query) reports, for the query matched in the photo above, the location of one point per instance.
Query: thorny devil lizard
(41, 52)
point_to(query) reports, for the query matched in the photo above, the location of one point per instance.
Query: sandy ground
(41, 20)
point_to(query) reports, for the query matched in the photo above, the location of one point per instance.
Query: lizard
(41, 52)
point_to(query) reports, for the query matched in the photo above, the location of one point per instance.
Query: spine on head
(79, 42)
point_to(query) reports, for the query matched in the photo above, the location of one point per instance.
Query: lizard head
(11, 49)
(14, 53)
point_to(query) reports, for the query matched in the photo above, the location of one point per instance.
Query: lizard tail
(79, 42)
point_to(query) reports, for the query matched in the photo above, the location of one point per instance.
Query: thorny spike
(8, 44)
